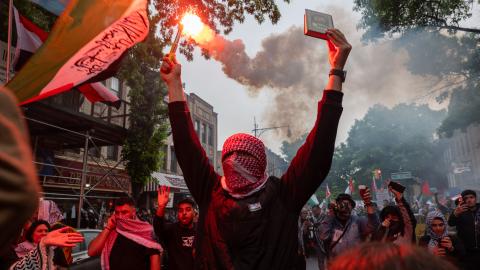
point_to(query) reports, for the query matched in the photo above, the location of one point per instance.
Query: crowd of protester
(449, 233)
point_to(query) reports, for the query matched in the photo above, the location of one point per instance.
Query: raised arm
(408, 218)
(161, 229)
(313, 160)
(96, 245)
(195, 165)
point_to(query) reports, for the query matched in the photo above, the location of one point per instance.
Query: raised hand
(111, 223)
(163, 193)
(461, 208)
(386, 223)
(367, 196)
(338, 49)
(170, 71)
(398, 195)
(62, 238)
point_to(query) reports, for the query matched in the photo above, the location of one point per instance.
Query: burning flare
(194, 28)
(192, 25)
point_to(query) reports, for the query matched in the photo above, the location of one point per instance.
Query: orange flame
(194, 28)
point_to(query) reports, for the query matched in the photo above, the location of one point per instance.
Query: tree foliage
(219, 15)
(380, 18)
(463, 110)
(444, 54)
(401, 138)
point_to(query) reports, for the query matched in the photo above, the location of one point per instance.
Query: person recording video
(341, 230)
(466, 219)
(439, 242)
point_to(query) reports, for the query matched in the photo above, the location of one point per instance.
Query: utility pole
(259, 131)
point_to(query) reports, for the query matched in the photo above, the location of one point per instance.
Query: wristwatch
(340, 73)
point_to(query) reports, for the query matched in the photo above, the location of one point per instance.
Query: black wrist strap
(337, 72)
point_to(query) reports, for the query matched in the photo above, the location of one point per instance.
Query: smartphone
(396, 186)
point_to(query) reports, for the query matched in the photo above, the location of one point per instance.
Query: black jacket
(466, 231)
(260, 231)
(455, 256)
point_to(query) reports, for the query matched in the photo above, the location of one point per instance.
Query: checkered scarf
(434, 238)
(138, 231)
(244, 163)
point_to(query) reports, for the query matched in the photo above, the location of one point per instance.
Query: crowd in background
(450, 231)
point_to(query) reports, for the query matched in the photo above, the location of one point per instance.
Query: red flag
(31, 37)
(350, 185)
(426, 189)
(327, 192)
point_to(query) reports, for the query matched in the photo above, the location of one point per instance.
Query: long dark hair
(33, 227)
(395, 211)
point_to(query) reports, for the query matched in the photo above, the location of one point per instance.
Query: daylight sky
(376, 74)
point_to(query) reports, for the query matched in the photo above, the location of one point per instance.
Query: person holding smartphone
(439, 242)
(466, 219)
(397, 221)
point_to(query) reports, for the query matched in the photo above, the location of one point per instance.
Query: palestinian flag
(30, 37)
(88, 37)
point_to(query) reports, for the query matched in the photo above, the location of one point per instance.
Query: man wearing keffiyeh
(126, 242)
(248, 220)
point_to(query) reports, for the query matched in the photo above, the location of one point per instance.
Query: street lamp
(259, 131)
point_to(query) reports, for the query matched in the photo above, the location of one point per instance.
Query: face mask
(395, 227)
(243, 174)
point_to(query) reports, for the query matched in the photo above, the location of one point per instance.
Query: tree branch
(458, 28)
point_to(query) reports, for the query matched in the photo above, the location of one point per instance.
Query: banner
(87, 38)
(30, 37)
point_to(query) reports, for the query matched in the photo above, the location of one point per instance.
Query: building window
(95, 151)
(197, 127)
(114, 84)
(204, 133)
(173, 160)
(210, 135)
(112, 152)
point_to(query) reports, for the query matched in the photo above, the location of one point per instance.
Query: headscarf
(434, 238)
(244, 163)
(138, 231)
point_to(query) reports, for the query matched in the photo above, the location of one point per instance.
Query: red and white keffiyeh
(138, 231)
(244, 163)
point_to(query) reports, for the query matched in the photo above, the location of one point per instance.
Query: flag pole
(9, 40)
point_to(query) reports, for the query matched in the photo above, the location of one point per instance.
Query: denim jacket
(357, 230)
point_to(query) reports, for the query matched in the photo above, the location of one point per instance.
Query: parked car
(81, 260)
